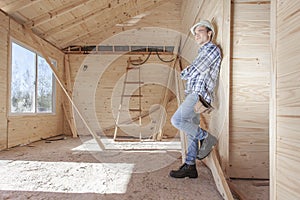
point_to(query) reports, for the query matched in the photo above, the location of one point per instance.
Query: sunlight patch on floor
(110, 144)
(65, 177)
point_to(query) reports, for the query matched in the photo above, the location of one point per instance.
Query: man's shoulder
(210, 46)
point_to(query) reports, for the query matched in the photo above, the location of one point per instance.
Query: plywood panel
(250, 124)
(288, 158)
(195, 11)
(252, 12)
(250, 169)
(26, 129)
(250, 90)
(289, 91)
(87, 84)
(288, 177)
(97, 90)
(110, 88)
(149, 36)
(219, 14)
(285, 142)
(4, 24)
(84, 87)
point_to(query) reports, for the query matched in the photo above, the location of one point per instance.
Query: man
(201, 78)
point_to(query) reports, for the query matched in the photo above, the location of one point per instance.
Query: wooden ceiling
(65, 23)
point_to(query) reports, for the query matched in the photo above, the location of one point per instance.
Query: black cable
(141, 63)
(166, 61)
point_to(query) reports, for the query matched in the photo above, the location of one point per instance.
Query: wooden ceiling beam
(17, 5)
(82, 19)
(118, 16)
(32, 23)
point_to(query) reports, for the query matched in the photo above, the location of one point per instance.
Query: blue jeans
(186, 120)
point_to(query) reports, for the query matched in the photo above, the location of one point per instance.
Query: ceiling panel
(67, 22)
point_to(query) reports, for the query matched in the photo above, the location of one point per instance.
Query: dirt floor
(59, 170)
(62, 169)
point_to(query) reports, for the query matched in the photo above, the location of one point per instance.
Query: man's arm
(202, 63)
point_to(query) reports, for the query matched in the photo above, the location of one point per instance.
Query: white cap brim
(202, 23)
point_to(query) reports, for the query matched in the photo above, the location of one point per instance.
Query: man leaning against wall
(200, 78)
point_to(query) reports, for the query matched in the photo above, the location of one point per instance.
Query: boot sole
(185, 176)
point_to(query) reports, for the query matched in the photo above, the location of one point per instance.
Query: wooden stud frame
(273, 100)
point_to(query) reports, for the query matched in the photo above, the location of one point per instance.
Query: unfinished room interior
(88, 89)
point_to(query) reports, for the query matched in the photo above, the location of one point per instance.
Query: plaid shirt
(202, 74)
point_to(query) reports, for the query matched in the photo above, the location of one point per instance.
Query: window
(32, 82)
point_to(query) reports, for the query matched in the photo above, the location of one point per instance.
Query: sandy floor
(60, 170)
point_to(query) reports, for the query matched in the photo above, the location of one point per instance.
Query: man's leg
(184, 120)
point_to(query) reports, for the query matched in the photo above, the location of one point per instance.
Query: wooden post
(212, 162)
(8, 79)
(69, 109)
(236, 191)
(223, 143)
(179, 88)
(273, 104)
(158, 136)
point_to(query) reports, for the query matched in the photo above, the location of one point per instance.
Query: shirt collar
(205, 46)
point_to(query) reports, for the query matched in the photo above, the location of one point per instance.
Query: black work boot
(185, 171)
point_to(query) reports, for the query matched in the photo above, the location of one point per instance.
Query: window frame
(37, 54)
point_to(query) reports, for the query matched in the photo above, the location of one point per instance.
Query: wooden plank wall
(4, 22)
(219, 13)
(92, 89)
(97, 89)
(109, 91)
(250, 62)
(285, 136)
(23, 129)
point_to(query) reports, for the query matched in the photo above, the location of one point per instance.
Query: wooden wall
(240, 120)
(93, 88)
(109, 91)
(219, 13)
(250, 85)
(22, 129)
(97, 90)
(285, 101)
(165, 21)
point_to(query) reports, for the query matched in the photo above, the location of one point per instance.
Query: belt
(204, 103)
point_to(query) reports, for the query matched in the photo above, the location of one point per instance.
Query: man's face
(202, 36)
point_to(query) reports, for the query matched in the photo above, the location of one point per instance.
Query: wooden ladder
(130, 68)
